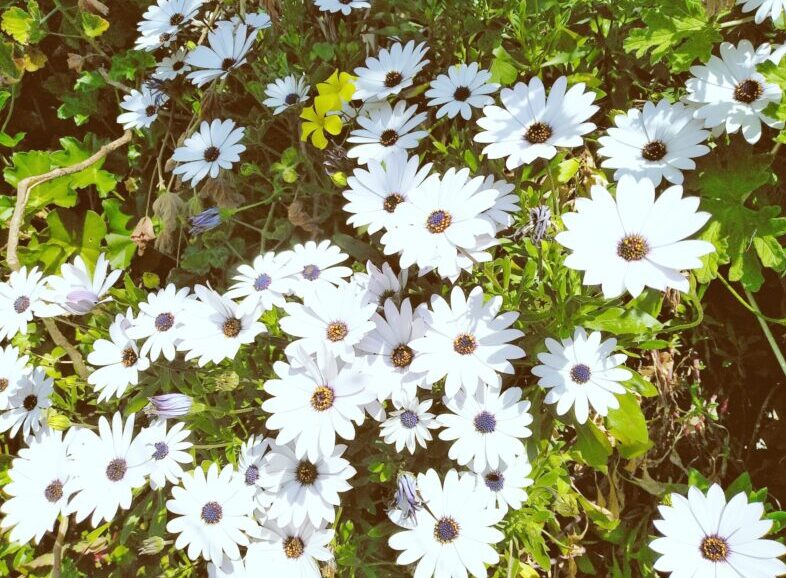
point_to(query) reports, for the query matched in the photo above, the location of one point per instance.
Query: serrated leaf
(24, 26)
(94, 25)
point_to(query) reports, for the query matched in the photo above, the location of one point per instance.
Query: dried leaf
(142, 234)
(75, 61)
(300, 218)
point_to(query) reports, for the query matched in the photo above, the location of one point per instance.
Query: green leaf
(24, 26)
(618, 321)
(10, 71)
(629, 427)
(9, 141)
(93, 232)
(502, 68)
(567, 170)
(94, 25)
(593, 446)
(641, 386)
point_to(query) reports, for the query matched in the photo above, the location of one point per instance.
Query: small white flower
(317, 267)
(466, 341)
(290, 551)
(162, 22)
(314, 400)
(13, 372)
(463, 88)
(306, 489)
(76, 291)
(343, 6)
(378, 284)
(580, 372)
(108, 467)
(120, 360)
(731, 94)
(453, 536)
(166, 450)
(27, 404)
(172, 66)
(390, 72)
(40, 487)
(657, 142)
(708, 536)
(385, 131)
(212, 514)
(263, 284)
(531, 126)
(772, 9)
(250, 464)
(504, 484)
(634, 241)
(161, 320)
(21, 298)
(376, 191)
(286, 92)
(486, 427)
(214, 147)
(142, 107)
(409, 425)
(229, 46)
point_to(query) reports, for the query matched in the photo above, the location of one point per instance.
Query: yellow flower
(317, 122)
(336, 90)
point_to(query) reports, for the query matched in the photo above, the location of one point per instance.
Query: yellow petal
(319, 140)
(333, 124)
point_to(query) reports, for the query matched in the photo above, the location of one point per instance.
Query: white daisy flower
(317, 267)
(505, 206)
(531, 126)
(388, 354)
(290, 550)
(142, 107)
(263, 284)
(41, 484)
(657, 142)
(254, 20)
(390, 72)
(375, 192)
(582, 371)
(215, 147)
(76, 291)
(229, 46)
(708, 536)
(463, 88)
(212, 514)
(452, 536)
(165, 451)
(343, 6)
(161, 320)
(731, 94)
(330, 318)
(504, 485)
(21, 298)
(385, 131)
(409, 425)
(172, 66)
(217, 330)
(13, 372)
(162, 22)
(378, 284)
(26, 405)
(466, 342)
(250, 464)
(314, 400)
(772, 9)
(439, 220)
(634, 241)
(286, 92)
(120, 360)
(108, 467)
(306, 489)
(228, 569)
(485, 427)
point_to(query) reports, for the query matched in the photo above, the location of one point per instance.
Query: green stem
(699, 315)
(747, 306)
(767, 333)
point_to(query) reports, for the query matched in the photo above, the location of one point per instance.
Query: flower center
(262, 282)
(714, 548)
(212, 512)
(3, 384)
(21, 304)
(232, 327)
(337, 331)
(495, 481)
(392, 201)
(54, 491)
(654, 151)
(438, 222)
(633, 248)
(128, 357)
(323, 397)
(388, 137)
(461, 94)
(176, 19)
(30, 402)
(306, 473)
(485, 422)
(293, 547)
(465, 344)
(116, 470)
(178, 65)
(164, 38)
(580, 373)
(538, 133)
(402, 355)
(252, 475)
(393, 78)
(227, 63)
(162, 451)
(164, 321)
(211, 154)
(311, 272)
(409, 419)
(150, 110)
(748, 91)
(291, 98)
(446, 530)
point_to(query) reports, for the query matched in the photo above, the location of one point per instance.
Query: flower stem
(732, 23)
(767, 333)
(57, 550)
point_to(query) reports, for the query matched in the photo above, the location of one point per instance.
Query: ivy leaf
(94, 25)
(24, 26)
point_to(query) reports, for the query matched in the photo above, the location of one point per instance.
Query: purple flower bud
(80, 301)
(407, 499)
(540, 221)
(205, 221)
(169, 405)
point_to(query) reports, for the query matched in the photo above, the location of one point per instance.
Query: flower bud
(169, 405)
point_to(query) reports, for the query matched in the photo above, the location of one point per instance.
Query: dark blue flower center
(495, 481)
(252, 475)
(164, 321)
(461, 94)
(54, 491)
(409, 419)
(580, 373)
(311, 272)
(116, 470)
(21, 304)
(162, 450)
(30, 402)
(438, 221)
(291, 98)
(485, 422)
(212, 513)
(446, 530)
